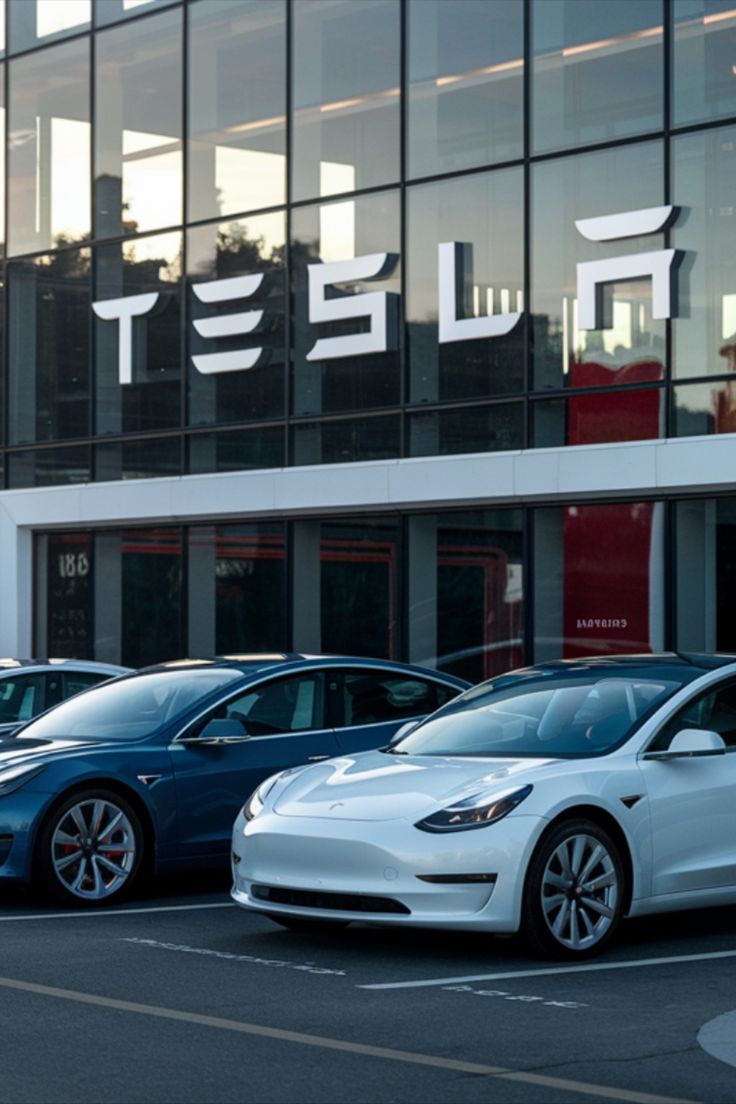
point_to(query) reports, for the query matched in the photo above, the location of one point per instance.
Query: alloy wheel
(93, 849)
(580, 892)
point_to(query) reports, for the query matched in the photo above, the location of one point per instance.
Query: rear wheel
(574, 893)
(90, 849)
(307, 924)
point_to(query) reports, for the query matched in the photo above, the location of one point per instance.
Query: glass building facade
(199, 160)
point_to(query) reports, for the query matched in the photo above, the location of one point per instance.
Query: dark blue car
(148, 772)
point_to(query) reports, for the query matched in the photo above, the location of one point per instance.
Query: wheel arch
(606, 820)
(113, 785)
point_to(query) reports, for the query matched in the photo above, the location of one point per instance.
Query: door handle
(317, 758)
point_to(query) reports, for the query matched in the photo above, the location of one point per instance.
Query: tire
(90, 849)
(563, 915)
(307, 924)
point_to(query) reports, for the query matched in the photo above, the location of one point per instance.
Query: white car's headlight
(254, 804)
(474, 812)
(13, 777)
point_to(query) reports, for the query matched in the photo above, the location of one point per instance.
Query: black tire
(306, 924)
(565, 917)
(87, 877)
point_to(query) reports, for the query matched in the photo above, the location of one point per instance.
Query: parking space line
(637, 963)
(437, 1061)
(77, 913)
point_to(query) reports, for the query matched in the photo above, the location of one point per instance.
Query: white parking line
(586, 969)
(562, 1084)
(113, 912)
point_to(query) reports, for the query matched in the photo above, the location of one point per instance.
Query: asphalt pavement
(181, 996)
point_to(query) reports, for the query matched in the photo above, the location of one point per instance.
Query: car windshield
(130, 708)
(561, 715)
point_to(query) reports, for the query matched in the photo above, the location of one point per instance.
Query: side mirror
(690, 743)
(220, 730)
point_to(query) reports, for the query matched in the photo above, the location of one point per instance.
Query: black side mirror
(220, 730)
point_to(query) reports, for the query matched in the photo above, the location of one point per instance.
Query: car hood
(14, 750)
(380, 786)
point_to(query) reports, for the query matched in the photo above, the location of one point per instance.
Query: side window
(293, 704)
(21, 697)
(714, 711)
(73, 682)
(370, 697)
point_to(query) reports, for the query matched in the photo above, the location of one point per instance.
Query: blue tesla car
(148, 772)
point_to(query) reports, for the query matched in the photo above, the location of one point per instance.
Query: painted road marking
(77, 913)
(718, 1038)
(306, 967)
(512, 997)
(325, 1043)
(586, 969)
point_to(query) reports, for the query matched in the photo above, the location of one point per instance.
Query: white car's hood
(379, 786)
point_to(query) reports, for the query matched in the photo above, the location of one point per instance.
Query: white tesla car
(555, 799)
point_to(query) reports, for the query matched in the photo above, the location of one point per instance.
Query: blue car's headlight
(13, 777)
(474, 812)
(254, 804)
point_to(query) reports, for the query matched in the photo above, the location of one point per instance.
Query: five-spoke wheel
(573, 898)
(90, 849)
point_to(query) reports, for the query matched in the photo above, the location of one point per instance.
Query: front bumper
(375, 861)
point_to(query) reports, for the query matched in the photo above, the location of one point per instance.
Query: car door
(283, 725)
(692, 801)
(370, 704)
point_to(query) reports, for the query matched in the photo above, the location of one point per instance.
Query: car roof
(9, 664)
(250, 663)
(693, 661)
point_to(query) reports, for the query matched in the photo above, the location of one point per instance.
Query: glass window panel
(359, 587)
(466, 90)
(337, 232)
(37, 22)
(2, 27)
(346, 95)
(112, 11)
(237, 106)
(68, 564)
(153, 399)
(237, 450)
(704, 333)
(345, 441)
(601, 590)
(486, 211)
(631, 348)
(49, 302)
(138, 459)
(704, 408)
(597, 71)
(148, 567)
(626, 415)
(706, 575)
(48, 467)
(138, 155)
(476, 429)
(49, 148)
(704, 41)
(221, 251)
(3, 120)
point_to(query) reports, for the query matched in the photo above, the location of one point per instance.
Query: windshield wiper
(391, 750)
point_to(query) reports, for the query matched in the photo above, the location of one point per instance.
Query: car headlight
(254, 804)
(474, 812)
(13, 777)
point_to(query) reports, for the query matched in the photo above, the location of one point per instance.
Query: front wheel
(90, 849)
(574, 892)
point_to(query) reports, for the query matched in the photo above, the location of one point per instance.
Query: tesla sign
(379, 308)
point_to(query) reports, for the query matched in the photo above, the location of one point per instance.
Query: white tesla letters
(455, 284)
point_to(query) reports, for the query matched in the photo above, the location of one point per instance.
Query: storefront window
(599, 418)
(51, 467)
(37, 22)
(49, 148)
(335, 232)
(466, 89)
(346, 441)
(706, 575)
(237, 106)
(221, 251)
(49, 305)
(346, 96)
(700, 408)
(485, 214)
(237, 450)
(152, 400)
(144, 459)
(64, 621)
(112, 11)
(704, 333)
(469, 429)
(597, 71)
(631, 346)
(702, 60)
(600, 589)
(138, 155)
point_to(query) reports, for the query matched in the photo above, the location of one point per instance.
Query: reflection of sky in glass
(53, 16)
(165, 248)
(266, 232)
(70, 194)
(150, 180)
